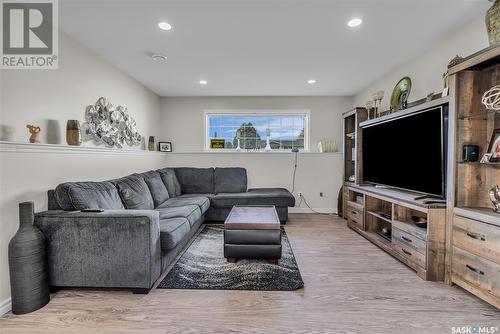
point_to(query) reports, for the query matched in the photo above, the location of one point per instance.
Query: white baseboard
(5, 306)
(307, 210)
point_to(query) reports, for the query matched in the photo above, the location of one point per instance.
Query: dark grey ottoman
(252, 232)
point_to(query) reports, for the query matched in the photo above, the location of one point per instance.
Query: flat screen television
(408, 152)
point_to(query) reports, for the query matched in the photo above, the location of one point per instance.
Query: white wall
(183, 124)
(33, 96)
(426, 70)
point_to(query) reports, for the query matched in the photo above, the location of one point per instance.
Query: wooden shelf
(356, 205)
(405, 112)
(403, 196)
(486, 215)
(379, 216)
(483, 115)
(480, 164)
(378, 240)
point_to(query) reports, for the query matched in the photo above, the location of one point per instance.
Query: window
(250, 129)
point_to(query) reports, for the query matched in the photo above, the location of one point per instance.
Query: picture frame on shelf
(217, 143)
(165, 146)
(494, 146)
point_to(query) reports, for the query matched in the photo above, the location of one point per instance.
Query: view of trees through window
(285, 131)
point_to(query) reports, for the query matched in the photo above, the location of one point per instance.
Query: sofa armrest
(114, 248)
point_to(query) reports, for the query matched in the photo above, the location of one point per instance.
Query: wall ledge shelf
(17, 147)
(282, 153)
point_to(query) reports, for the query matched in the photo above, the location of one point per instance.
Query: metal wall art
(109, 125)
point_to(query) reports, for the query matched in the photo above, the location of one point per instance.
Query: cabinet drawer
(477, 238)
(358, 224)
(408, 253)
(476, 270)
(354, 214)
(409, 240)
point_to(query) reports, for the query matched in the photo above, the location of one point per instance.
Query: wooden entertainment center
(371, 210)
(461, 241)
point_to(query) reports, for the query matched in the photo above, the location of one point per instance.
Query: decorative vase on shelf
(73, 133)
(493, 22)
(27, 264)
(151, 143)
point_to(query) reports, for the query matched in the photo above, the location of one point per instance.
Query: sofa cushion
(195, 180)
(191, 212)
(134, 192)
(88, 195)
(266, 196)
(170, 180)
(156, 187)
(201, 201)
(230, 180)
(172, 230)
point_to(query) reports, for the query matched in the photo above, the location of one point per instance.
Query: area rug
(203, 266)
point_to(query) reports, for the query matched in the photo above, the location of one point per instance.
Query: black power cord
(302, 198)
(296, 151)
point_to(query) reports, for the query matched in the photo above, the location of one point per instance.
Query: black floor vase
(27, 264)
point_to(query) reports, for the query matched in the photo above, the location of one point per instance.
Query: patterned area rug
(203, 266)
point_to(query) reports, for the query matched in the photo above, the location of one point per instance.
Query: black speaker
(470, 153)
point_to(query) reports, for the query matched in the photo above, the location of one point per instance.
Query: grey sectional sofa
(148, 218)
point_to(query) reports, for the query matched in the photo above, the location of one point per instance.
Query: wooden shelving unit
(352, 152)
(473, 229)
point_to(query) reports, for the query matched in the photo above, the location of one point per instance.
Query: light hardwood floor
(351, 286)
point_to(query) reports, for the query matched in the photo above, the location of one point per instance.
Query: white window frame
(259, 112)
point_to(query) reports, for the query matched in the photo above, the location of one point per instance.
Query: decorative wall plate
(400, 94)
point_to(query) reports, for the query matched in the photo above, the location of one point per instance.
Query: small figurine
(34, 131)
(495, 198)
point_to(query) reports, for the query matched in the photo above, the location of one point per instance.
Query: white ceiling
(262, 48)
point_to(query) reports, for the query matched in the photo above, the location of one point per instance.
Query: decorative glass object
(109, 125)
(73, 133)
(493, 23)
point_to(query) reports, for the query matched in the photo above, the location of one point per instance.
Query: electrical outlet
(300, 194)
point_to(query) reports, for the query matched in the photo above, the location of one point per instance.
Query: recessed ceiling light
(355, 22)
(164, 26)
(312, 81)
(158, 57)
(203, 82)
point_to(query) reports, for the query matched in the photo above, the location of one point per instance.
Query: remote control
(92, 210)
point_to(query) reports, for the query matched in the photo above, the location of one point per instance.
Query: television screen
(408, 152)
